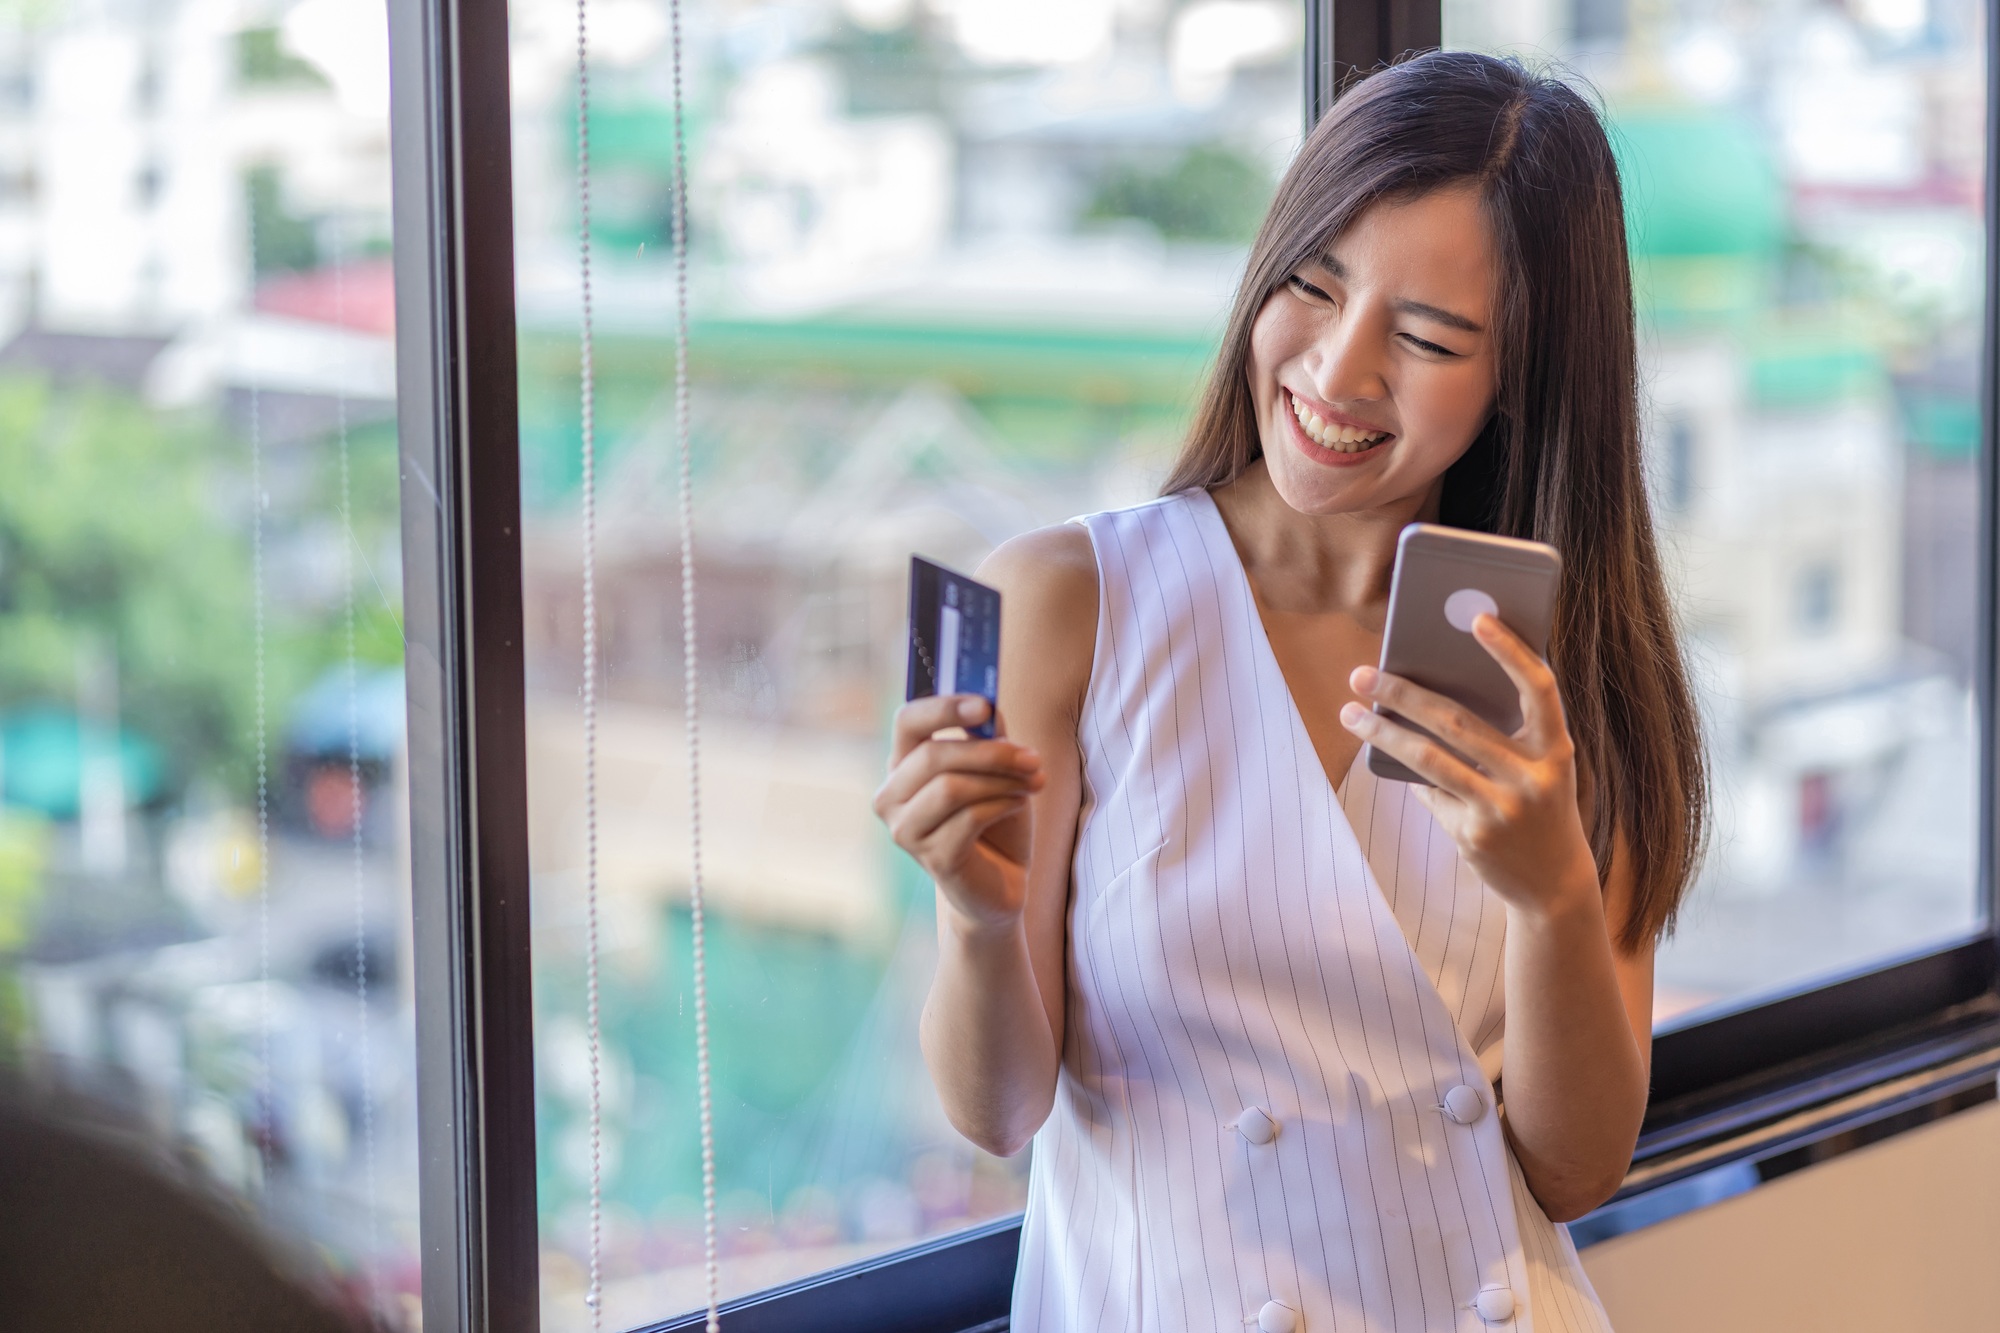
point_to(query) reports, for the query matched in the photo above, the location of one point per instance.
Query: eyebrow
(1439, 314)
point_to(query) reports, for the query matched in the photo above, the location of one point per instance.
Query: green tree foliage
(282, 241)
(128, 530)
(110, 529)
(1209, 193)
(261, 58)
(24, 840)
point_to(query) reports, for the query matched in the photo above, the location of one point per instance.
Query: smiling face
(1373, 368)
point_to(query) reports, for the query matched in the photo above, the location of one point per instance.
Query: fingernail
(1352, 713)
(1365, 678)
(972, 710)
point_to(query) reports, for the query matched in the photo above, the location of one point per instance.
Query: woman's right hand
(960, 806)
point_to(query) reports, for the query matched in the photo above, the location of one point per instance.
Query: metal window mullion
(1318, 73)
(1346, 39)
(457, 424)
(1987, 660)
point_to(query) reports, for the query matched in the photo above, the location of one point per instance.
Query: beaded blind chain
(266, 1114)
(357, 846)
(690, 669)
(594, 1296)
(260, 735)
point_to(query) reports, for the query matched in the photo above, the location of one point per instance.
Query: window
(957, 269)
(204, 889)
(958, 266)
(1818, 598)
(795, 356)
(1675, 479)
(1804, 185)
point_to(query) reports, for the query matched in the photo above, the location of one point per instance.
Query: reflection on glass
(958, 265)
(196, 402)
(1804, 186)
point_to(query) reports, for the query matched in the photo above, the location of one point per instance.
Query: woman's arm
(1577, 1061)
(994, 824)
(1579, 1010)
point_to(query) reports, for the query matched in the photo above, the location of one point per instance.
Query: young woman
(1250, 1000)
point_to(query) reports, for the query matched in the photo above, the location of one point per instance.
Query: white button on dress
(1256, 1125)
(1494, 1304)
(1278, 1317)
(1464, 1105)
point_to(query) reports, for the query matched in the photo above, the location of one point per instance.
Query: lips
(1340, 442)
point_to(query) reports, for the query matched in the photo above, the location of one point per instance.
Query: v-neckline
(1213, 514)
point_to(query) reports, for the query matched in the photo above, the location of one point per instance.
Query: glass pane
(958, 266)
(204, 899)
(1804, 183)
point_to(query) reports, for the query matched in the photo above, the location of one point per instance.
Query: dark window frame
(459, 440)
(1757, 1091)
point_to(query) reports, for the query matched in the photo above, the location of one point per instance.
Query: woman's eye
(1306, 289)
(1424, 345)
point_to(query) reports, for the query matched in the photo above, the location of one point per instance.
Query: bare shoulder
(1050, 577)
(1054, 563)
(1048, 609)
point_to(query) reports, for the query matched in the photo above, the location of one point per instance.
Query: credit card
(954, 637)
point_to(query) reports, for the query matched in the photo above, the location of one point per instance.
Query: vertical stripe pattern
(1243, 936)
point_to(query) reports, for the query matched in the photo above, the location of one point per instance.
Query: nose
(1348, 360)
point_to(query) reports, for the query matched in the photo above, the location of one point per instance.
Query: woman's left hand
(1512, 809)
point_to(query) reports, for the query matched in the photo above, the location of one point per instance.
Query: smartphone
(1444, 578)
(954, 638)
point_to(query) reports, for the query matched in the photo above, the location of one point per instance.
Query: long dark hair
(1559, 460)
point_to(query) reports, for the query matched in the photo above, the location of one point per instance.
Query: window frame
(1766, 1087)
(459, 443)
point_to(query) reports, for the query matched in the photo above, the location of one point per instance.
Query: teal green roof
(1058, 360)
(1819, 371)
(1945, 425)
(1697, 182)
(1049, 394)
(42, 751)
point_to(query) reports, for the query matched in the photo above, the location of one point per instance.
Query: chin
(1321, 491)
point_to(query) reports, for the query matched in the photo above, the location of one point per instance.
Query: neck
(1317, 563)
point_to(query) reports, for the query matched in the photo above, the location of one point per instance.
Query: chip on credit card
(954, 637)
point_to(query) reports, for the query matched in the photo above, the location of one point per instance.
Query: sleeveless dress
(1272, 1112)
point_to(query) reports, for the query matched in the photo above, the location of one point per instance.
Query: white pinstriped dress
(1275, 991)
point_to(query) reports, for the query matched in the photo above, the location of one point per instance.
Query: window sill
(962, 1281)
(1873, 1095)
(1689, 1157)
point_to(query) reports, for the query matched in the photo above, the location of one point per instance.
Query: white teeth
(1340, 439)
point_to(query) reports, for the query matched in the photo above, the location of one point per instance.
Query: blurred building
(145, 155)
(948, 288)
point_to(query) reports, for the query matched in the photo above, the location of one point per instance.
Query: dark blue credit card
(954, 637)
